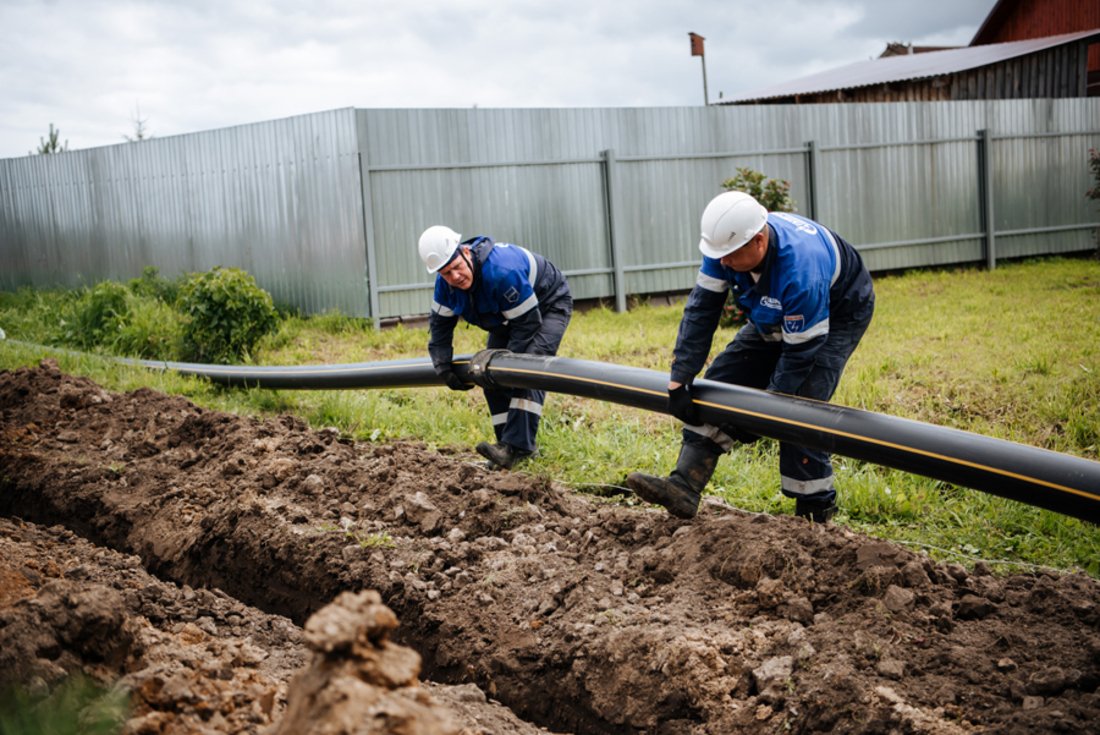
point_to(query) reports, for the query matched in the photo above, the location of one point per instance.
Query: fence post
(368, 241)
(985, 192)
(613, 229)
(811, 180)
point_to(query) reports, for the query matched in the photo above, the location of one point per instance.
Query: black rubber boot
(502, 455)
(814, 512)
(680, 492)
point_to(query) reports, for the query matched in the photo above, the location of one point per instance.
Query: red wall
(1016, 20)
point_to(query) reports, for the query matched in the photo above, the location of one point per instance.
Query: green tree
(141, 130)
(774, 194)
(52, 144)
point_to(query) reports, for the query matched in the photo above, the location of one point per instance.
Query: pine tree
(53, 143)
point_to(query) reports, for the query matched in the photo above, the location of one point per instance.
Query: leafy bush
(153, 330)
(775, 195)
(153, 285)
(111, 317)
(97, 315)
(225, 313)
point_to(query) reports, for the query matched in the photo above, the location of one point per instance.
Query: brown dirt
(159, 545)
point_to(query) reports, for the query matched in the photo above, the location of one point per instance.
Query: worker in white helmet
(808, 298)
(520, 298)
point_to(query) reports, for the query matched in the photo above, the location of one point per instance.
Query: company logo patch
(793, 323)
(769, 302)
(511, 295)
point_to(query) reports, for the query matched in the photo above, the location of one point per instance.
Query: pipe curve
(1039, 477)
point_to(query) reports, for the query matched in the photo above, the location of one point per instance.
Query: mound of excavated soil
(154, 533)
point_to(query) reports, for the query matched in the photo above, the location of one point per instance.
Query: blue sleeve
(441, 327)
(702, 313)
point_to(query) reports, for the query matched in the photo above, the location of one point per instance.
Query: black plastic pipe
(412, 373)
(1051, 480)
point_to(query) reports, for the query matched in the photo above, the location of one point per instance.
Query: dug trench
(578, 614)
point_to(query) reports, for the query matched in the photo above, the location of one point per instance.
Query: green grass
(76, 706)
(1013, 353)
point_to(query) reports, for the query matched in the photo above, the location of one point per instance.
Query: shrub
(153, 330)
(775, 195)
(225, 313)
(153, 285)
(97, 315)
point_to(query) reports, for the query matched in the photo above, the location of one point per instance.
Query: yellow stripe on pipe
(849, 435)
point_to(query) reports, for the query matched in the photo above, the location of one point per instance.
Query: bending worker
(808, 298)
(520, 298)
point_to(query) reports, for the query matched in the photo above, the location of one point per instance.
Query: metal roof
(914, 66)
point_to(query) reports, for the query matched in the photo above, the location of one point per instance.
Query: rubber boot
(501, 455)
(680, 492)
(814, 511)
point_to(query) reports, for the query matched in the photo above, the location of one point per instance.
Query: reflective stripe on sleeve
(530, 303)
(438, 308)
(710, 283)
(817, 330)
(836, 255)
(533, 275)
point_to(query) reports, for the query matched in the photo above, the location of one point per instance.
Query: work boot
(814, 511)
(502, 455)
(681, 491)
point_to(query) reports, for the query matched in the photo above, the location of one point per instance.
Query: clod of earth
(160, 544)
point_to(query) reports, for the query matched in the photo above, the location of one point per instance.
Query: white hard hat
(729, 221)
(437, 246)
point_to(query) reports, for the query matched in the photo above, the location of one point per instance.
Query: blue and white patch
(769, 302)
(793, 323)
(511, 295)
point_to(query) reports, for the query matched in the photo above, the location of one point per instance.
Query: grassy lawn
(1013, 353)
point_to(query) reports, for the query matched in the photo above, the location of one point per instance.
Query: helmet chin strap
(469, 264)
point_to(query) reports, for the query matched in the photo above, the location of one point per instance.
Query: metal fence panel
(279, 199)
(325, 209)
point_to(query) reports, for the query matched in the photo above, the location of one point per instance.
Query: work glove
(681, 406)
(450, 377)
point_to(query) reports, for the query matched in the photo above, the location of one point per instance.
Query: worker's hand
(681, 406)
(450, 377)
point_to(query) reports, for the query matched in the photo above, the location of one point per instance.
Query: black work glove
(681, 406)
(450, 377)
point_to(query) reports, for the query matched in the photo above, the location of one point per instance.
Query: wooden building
(1023, 49)
(1016, 20)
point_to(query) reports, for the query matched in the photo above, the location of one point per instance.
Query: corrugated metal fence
(325, 209)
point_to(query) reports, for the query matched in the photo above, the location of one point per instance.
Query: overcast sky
(94, 68)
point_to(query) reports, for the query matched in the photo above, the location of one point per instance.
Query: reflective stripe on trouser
(516, 416)
(749, 360)
(516, 413)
